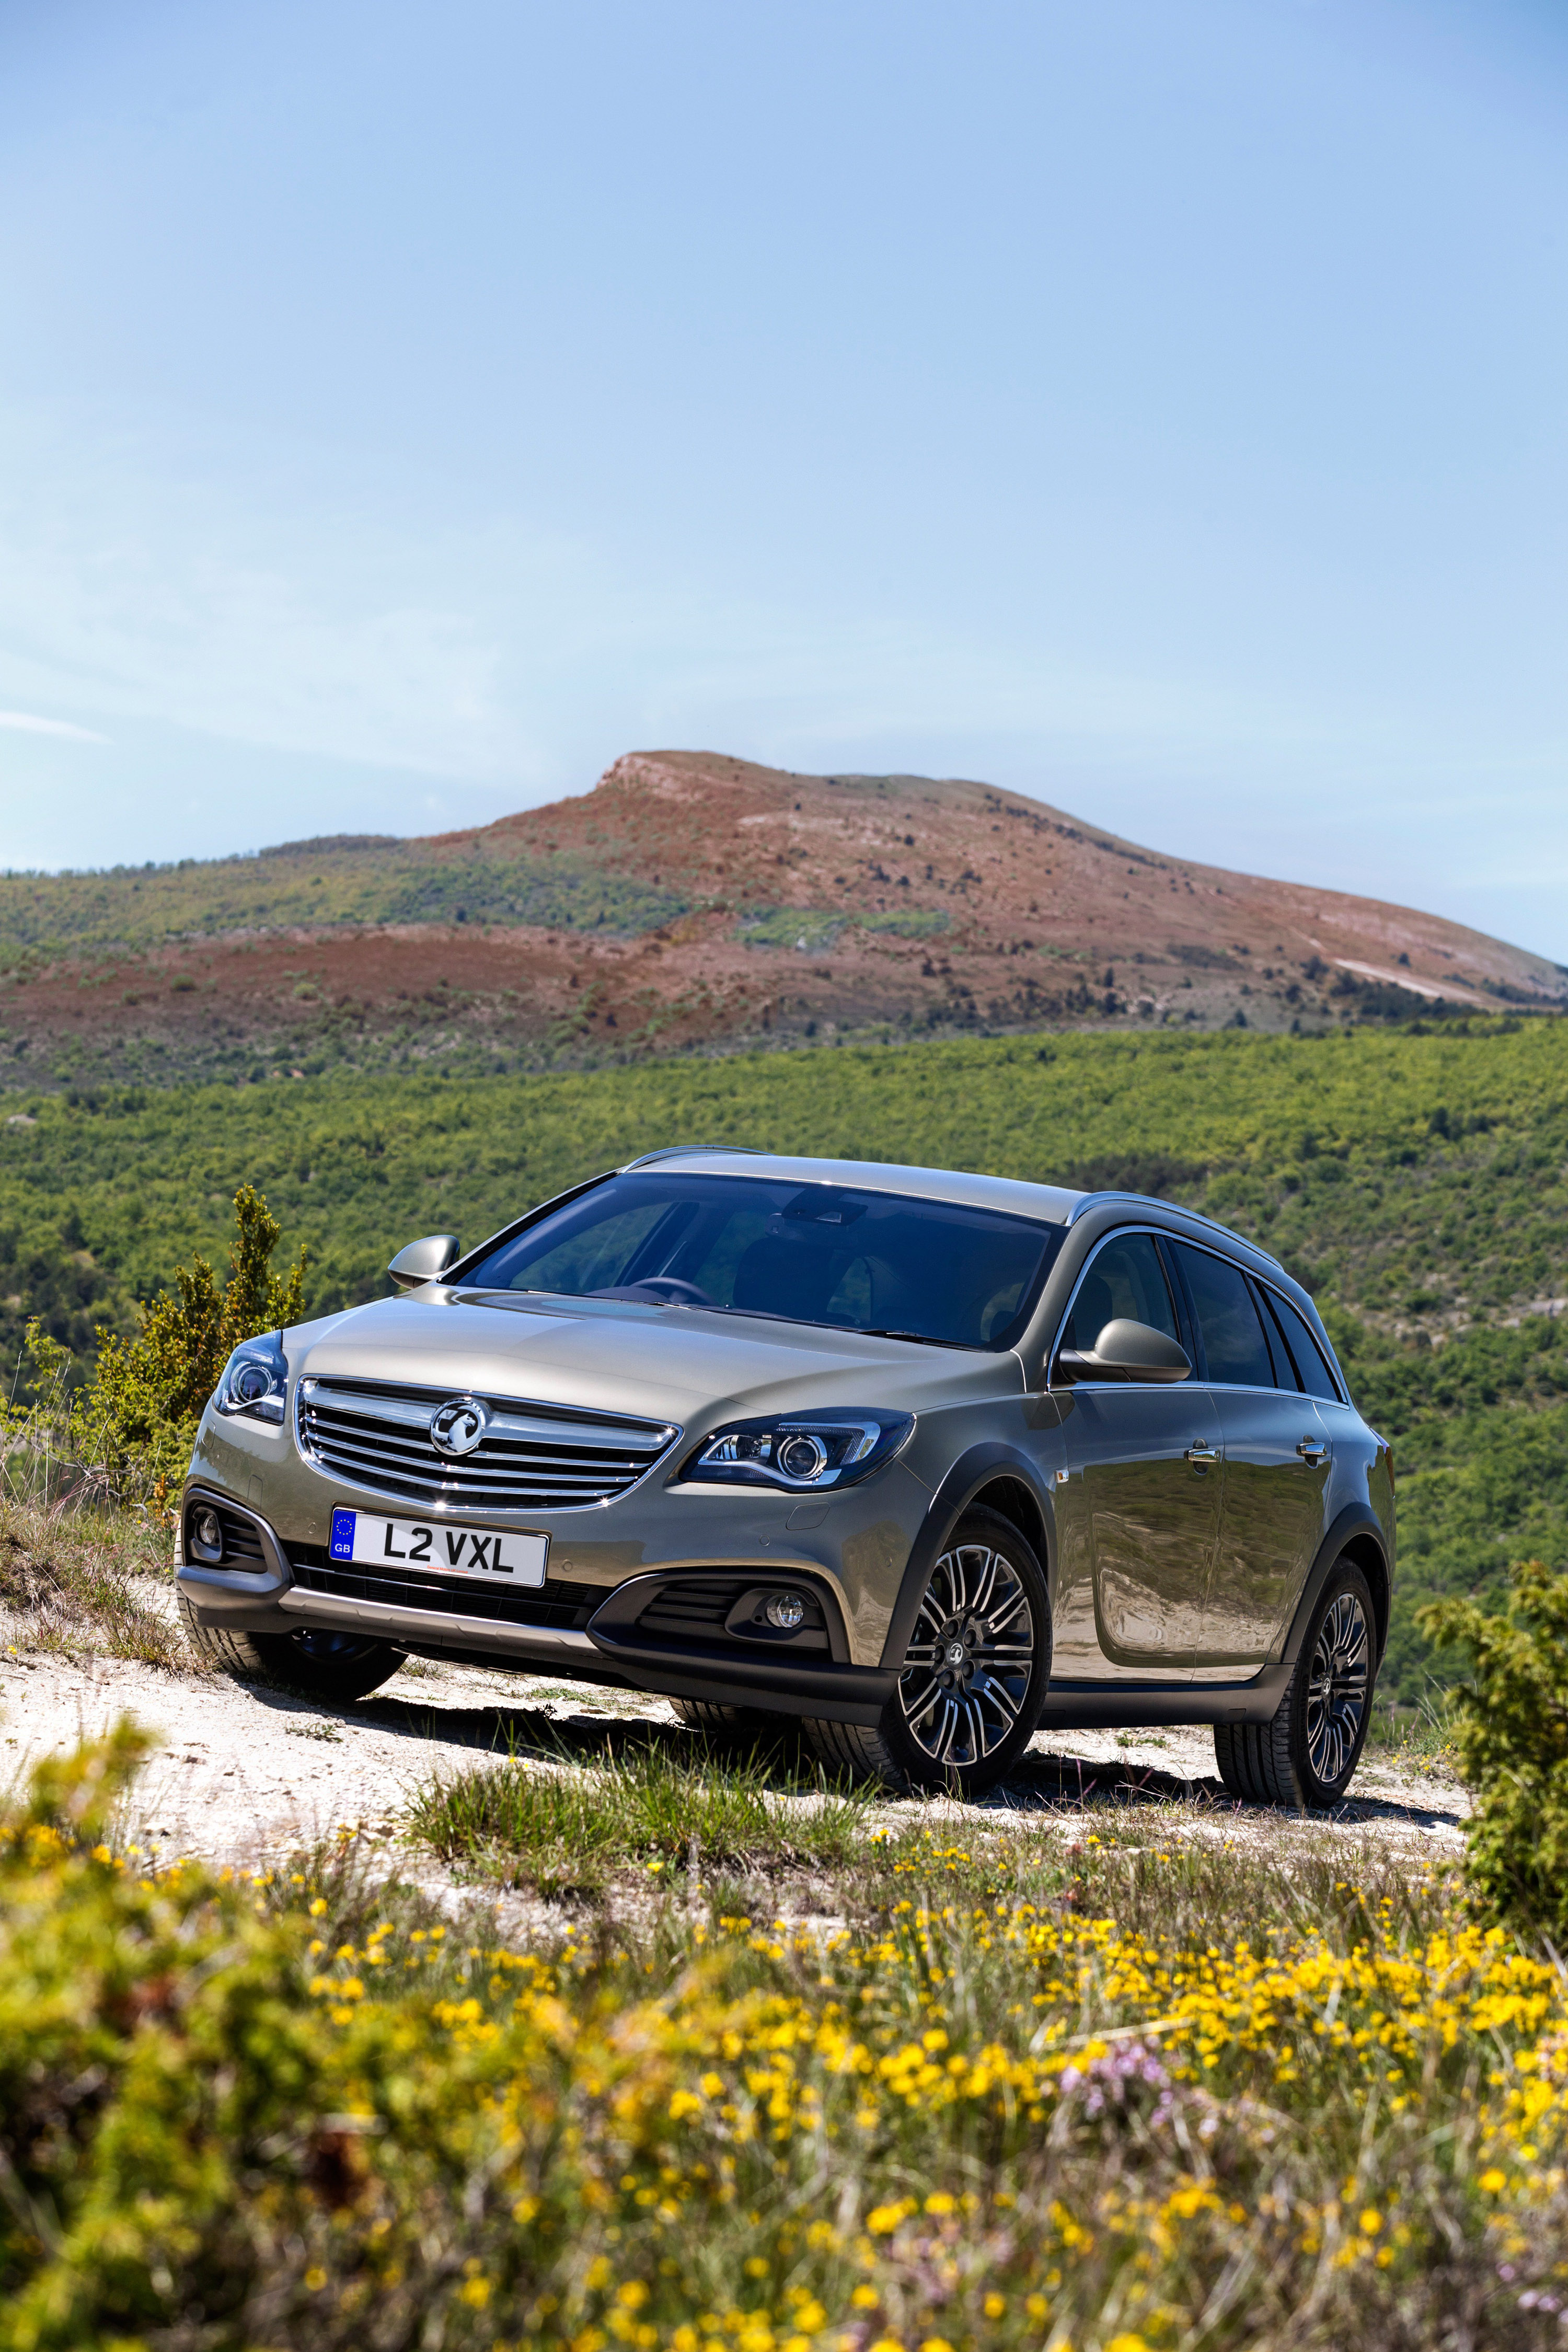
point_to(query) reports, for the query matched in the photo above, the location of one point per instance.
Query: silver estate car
(925, 1461)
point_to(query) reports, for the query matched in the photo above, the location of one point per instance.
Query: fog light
(786, 1610)
(206, 1534)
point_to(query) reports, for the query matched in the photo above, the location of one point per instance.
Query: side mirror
(1127, 1351)
(424, 1261)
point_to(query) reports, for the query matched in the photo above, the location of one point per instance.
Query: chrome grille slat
(375, 1457)
(529, 1459)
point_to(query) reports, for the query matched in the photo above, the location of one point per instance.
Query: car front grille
(531, 1458)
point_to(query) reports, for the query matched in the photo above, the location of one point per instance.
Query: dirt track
(241, 1774)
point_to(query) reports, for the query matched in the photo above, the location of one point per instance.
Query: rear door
(1276, 1467)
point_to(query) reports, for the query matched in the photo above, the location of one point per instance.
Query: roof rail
(1096, 1199)
(690, 1150)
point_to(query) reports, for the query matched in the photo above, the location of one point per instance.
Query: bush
(132, 1428)
(1513, 1746)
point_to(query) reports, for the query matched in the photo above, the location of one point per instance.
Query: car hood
(659, 1363)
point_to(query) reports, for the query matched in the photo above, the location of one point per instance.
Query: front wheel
(747, 1724)
(1305, 1755)
(326, 1665)
(974, 1676)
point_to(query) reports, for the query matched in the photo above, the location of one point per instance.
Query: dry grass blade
(69, 1580)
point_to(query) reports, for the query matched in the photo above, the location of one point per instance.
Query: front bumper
(685, 1629)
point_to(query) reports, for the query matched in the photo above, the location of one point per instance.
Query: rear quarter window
(1306, 1354)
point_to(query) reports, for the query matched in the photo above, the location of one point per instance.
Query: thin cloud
(25, 723)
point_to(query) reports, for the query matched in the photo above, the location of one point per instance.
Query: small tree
(1513, 1745)
(135, 1422)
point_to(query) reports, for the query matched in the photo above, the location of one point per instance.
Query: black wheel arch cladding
(991, 1475)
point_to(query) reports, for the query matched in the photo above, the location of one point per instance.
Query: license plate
(488, 1552)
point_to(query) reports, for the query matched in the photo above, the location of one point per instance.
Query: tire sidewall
(1343, 1577)
(980, 1525)
(341, 1680)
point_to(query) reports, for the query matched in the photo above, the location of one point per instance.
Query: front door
(1138, 1516)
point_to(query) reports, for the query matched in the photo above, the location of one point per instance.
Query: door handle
(1200, 1454)
(1313, 1450)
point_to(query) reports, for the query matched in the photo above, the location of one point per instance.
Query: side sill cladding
(981, 1466)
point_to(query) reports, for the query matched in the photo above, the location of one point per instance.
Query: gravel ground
(241, 1774)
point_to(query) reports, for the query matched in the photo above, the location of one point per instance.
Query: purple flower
(1106, 2082)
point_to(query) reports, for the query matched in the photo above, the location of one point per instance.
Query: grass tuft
(68, 1584)
(565, 1831)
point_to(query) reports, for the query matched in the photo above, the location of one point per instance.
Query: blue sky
(1164, 410)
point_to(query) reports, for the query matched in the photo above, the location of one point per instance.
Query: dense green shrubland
(1415, 1183)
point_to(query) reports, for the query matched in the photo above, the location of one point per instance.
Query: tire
(331, 1666)
(1305, 1755)
(748, 1723)
(959, 1725)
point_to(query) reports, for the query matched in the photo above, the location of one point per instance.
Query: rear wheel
(973, 1676)
(328, 1665)
(1306, 1754)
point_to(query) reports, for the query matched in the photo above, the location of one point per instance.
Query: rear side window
(1233, 1344)
(1316, 1377)
(1125, 1280)
(1284, 1370)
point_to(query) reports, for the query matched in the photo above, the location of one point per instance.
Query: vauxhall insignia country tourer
(926, 1462)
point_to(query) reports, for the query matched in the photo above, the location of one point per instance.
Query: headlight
(799, 1450)
(255, 1380)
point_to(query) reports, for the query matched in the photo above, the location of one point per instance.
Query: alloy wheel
(967, 1672)
(1337, 1687)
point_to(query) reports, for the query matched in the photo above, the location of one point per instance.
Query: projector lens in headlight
(255, 1380)
(802, 1454)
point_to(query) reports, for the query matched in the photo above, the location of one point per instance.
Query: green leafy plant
(558, 1829)
(132, 1429)
(1513, 1745)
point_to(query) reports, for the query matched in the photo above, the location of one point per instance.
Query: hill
(1417, 1185)
(695, 901)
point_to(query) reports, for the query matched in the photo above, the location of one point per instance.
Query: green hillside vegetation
(1418, 1183)
(347, 878)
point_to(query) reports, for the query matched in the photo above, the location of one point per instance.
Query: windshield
(824, 1254)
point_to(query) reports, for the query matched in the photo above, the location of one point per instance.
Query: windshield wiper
(920, 1339)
